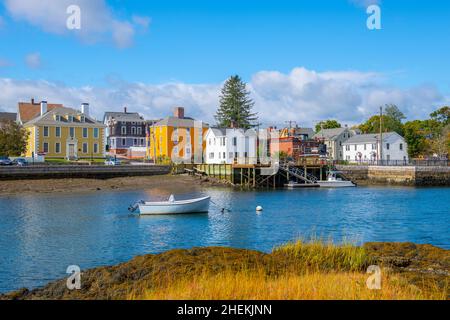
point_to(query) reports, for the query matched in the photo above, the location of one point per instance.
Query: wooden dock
(303, 174)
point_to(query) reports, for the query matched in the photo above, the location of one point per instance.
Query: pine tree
(235, 105)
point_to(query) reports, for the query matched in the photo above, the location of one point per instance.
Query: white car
(112, 162)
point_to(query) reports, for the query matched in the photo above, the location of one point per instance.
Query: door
(71, 151)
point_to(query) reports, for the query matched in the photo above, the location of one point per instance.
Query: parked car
(5, 161)
(20, 162)
(112, 162)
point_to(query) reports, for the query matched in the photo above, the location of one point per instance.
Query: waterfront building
(297, 142)
(231, 145)
(125, 134)
(334, 139)
(176, 138)
(366, 147)
(61, 132)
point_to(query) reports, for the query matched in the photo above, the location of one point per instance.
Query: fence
(412, 162)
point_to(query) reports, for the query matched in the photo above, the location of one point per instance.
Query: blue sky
(179, 52)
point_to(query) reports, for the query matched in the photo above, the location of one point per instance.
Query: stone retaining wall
(399, 175)
(76, 171)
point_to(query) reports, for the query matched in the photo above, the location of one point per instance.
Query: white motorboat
(172, 206)
(333, 181)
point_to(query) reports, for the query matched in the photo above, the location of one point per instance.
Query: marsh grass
(297, 270)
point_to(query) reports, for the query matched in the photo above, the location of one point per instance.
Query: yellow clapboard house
(62, 132)
(176, 139)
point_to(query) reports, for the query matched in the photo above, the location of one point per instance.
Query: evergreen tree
(235, 105)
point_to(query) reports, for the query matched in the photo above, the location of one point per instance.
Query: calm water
(40, 235)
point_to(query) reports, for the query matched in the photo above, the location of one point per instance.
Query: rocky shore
(423, 266)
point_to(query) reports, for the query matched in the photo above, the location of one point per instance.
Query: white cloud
(33, 60)
(97, 19)
(302, 95)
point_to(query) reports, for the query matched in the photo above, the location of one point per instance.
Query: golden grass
(295, 271)
(314, 286)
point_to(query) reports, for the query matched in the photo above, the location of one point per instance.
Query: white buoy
(259, 208)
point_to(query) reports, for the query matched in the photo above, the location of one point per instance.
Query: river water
(42, 234)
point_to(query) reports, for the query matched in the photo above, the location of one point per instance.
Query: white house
(334, 139)
(230, 145)
(365, 147)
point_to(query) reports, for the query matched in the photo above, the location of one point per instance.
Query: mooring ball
(259, 208)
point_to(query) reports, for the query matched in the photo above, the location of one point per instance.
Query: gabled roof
(330, 134)
(369, 138)
(219, 132)
(8, 116)
(29, 110)
(49, 119)
(178, 122)
(122, 116)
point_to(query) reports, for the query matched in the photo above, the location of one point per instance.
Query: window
(355, 147)
(85, 132)
(245, 154)
(220, 155)
(85, 147)
(82, 119)
(57, 117)
(95, 147)
(139, 131)
(58, 131)
(387, 146)
(388, 157)
(72, 132)
(234, 141)
(374, 146)
(124, 142)
(365, 146)
(135, 142)
(142, 142)
(70, 118)
(133, 130)
(230, 155)
(224, 155)
(236, 154)
(95, 133)
(401, 146)
(45, 131)
(45, 146)
(124, 130)
(210, 141)
(57, 147)
(211, 155)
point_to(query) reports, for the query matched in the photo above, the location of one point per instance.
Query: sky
(303, 61)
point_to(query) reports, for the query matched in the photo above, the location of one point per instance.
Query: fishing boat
(172, 206)
(333, 181)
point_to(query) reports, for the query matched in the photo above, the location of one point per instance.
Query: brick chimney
(179, 112)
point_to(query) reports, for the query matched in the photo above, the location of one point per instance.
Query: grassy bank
(316, 270)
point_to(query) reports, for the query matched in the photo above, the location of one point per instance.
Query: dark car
(5, 161)
(20, 162)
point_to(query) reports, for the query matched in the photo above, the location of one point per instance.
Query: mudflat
(178, 183)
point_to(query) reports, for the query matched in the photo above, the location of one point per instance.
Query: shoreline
(179, 183)
(421, 266)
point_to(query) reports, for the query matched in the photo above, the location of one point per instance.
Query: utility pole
(381, 134)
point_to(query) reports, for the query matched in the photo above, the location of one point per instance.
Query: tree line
(429, 137)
